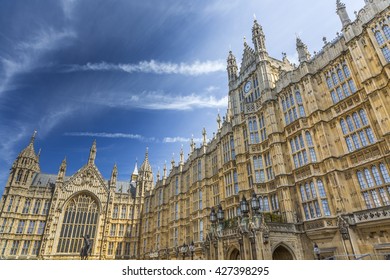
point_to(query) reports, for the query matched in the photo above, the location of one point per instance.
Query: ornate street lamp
(220, 214)
(213, 216)
(192, 249)
(184, 249)
(255, 203)
(244, 206)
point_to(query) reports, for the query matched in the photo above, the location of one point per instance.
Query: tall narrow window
(341, 85)
(253, 130)
(374, 186)
(80, 219)
(357, 131)
(382, 37)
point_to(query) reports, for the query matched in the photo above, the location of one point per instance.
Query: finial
(33, 136)
(39, 152)
(244, 40)
(254, 17)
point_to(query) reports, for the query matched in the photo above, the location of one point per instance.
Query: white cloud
(160, 101)
(27, 53)
(155, 67)
(112, 135)
(68, 7)
(179, 139)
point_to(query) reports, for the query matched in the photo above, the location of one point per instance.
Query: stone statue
(86, 248)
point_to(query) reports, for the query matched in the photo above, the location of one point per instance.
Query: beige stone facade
(309, 144)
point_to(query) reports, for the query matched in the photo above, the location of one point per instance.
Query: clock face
(247, 87)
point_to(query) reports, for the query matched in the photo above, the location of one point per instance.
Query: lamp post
(244, 206)
(192, 249)
(220, 214)
(213, 216)
(184, 249)
(317, 251)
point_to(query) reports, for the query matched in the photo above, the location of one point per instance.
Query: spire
(173, 161)
(134, 175)
(258, 39)
(192, 144)
(232, 68)
(204, 134)
(303, 53)
(146, 165)
(33, 137)
(165, 170)
(62, 170)
(114, 175)
(158, 174)
(181, 155)
(92, 153)
(135, 172)
(343, 14)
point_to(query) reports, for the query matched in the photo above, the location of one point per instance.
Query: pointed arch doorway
(281, 252)
(235, 255)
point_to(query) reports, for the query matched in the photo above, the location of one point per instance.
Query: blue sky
(132, 74)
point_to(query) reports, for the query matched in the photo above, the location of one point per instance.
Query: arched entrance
(235, 255)
(282, 253)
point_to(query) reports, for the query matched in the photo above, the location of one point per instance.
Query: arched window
(309, 140)
(362, 183)
(347, 73)
(80, 219)
(292, 100)
(321, 189)
(334, 78)
(313, 190)
(329, 83)
(356, 120)
(284, 105)
(298, 97)
(340, 74)
(350, 124)
(386, 30)
(368, 176)
(303, 196)
(363, 116)
(377, 177)
(343, 126)
(379, 38)
(385, 173)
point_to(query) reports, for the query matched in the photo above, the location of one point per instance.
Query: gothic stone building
(298, 169)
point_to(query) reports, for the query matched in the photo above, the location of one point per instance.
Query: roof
(125, 187)
(46, 180)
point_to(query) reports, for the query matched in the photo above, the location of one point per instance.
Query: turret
(232, 68)
(343, 14)
(114, 176)
(92, 153)
(62, 171)
(192, 145)
(173, 161)
(145, 177)
(258, 39)
(25, 165)
(181, 156)
(303, 53)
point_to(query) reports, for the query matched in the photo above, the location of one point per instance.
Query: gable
(87, 177)
(248, 58)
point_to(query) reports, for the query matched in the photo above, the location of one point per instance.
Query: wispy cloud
(179, 139)
(68, 7)
(160, 101)
(112, 135)
(155, 67)
(27, 53)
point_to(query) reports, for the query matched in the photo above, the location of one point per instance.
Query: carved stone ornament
(343, 228)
